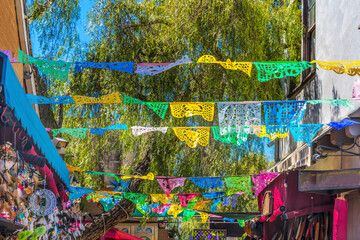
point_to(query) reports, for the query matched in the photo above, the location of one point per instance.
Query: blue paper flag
(212, 195)
(343, 123)
(78, 192)
(305, 132)
(207, 182)
(118, 66)
(34, 99)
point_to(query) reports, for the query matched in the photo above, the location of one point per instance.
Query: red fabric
(340, 219)
(64, 197)
(47, 174)
(117, 234)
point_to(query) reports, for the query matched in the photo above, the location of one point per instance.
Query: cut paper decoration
(122, 186)
(279, 115)
(237, 184)
(168, 184)
(261, 132)
(34, 99)
(243, 66)
(356, 90)
(200, 205)
(101, 131)
(107, 203)
(193, 136)
(271, 70)
(334, 102)
(204, 217)
(8, 53)
(207, 182)
(98, 131)
(229, 219)
(156, 68)
(162, 209)
(163, 198)
(185, 197)
(110, 98)
(137, 131)
(97, 196)
(216, 201)
(349, 67)
(262, 180)
(213, 195)
(241, 223)
(117, 66)
(104, 173)
(159, 108)
(149, 176)
(78, 192)
(187, 215)
(79, 133)
(53, 69)
(174, 210)
(190, 205)
(137, 198)
(230, 199)
(237, 116)
(233, 138)
(305, 132)
(73, 169)
(188, 109)
(343, 123)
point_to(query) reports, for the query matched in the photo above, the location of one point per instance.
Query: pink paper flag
(162, 208)
(185, 197)
(356, 89)
(262, 180)
(169, 183)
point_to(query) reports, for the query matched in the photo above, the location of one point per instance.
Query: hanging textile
(162, 209)
(159, 108)
(305, 132)
(216, 201)
(349, 67)
(127, 67)
(149, 176)
(237, 184)
(137, 131)
(8, 53)
(53, 69)
(185, 197)
(156, 68)
(169, 183)
(233, 137)
(163, 198)
(238, 117)
(212, 195)
(187, 215)
(188, 109)
(356, 90)
(137, 198)
(261, 132)
(207, 182)
(193, 135)
(79, 133)
(174, 210)
(243, 66)
(343, 123)
(204, 217)
(262, 180)
(271, 70)
(279, 115)
(34, 99)
(230, 199)
(110, 98)
(78, 192)
(334, 102)
(200, 205)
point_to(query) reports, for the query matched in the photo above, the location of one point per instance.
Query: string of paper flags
(265, 70)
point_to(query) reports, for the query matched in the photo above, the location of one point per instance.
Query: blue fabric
(207, 182)
(16, 99)
(78, 192)
(343, 123)
(118, 66)
(213, 194)
(34, 99)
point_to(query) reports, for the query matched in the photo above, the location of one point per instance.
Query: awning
(114, 234)
(16, 99)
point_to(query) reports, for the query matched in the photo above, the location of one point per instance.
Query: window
(308, 48)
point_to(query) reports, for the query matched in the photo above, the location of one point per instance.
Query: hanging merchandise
(185, 197)
(34, 99)
(271, 70)
(149, 176)
(279, 115)
(238, 117)
(207, 182)
(261, 132)
(127, 67)
(169, 183)
(174, 210)
(8, 53)
(233, 137)
(204, 217)
(305, 132)
(356, 90)
(188, 109)
(262, 180)
(243, 66)
(156, 68)
(187, 215)
(137, 131)
(137, 198)
(334, 102)
(159, 108)
(163, 198)
(110, 98)
(237, 184)
(349, 67)
(79, 133)
(200, 204)
(42, 202)
(193, 135)
(343, 123)
(52, 69)
(213, 195)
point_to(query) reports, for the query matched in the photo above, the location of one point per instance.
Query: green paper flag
(159, 108)
(237, 184)
(241, 223)
(104, 173)
(137, 198)
(187, 215)
(234, 138)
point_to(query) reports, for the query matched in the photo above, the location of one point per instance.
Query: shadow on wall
(335, 111)
(313, 92)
